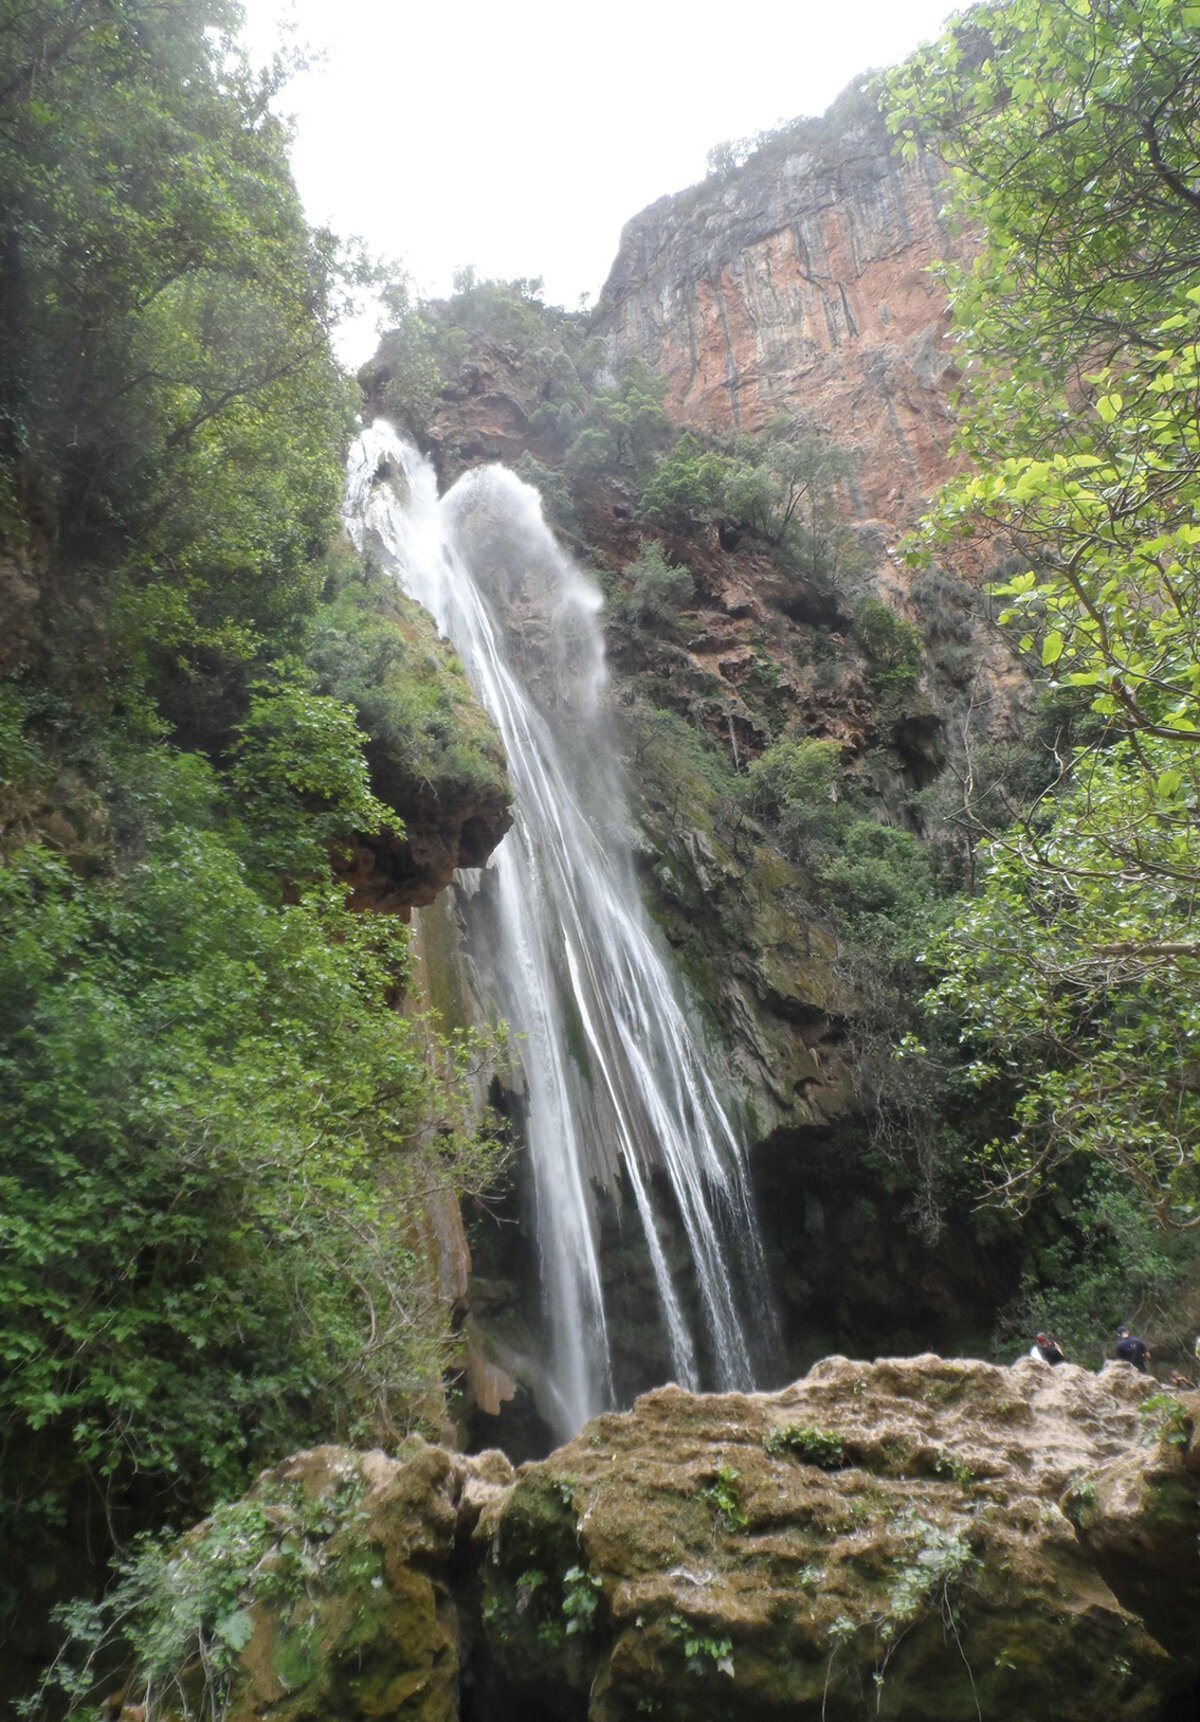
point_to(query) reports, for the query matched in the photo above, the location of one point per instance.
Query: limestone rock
(361, 1621)
(922, 1539)
(374, 1632)
(901, 1533)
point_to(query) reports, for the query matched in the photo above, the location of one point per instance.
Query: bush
(625, 428)
(881, 882)
(892, 644)
(557, 504)
(219, 1137)
(778, 487)
(658, 588)
(793, 788)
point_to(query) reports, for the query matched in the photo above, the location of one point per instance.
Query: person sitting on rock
(1131, 1349)
(1047, 1350)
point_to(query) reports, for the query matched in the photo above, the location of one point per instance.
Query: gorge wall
(800, 282)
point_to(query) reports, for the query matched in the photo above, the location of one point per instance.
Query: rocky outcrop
(800, 282)
(355, 1616)
(443, 831)
(944, 1539)
(483, 414)
(918, 1539)
(433, 755)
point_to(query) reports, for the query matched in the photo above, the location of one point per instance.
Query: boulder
(921, 1539)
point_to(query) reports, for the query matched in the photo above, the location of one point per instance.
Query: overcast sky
(520, 138)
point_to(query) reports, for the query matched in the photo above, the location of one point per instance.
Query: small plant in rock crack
(1169, 1421)
(948, 1465)
(528, 1584)
(816, 1447)
(934, 1560)
(937, 1559)
(702, 1650)
(581, 1596)
(724, 1497)
(1079, 1494)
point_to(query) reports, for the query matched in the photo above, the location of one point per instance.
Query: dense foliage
(1074, 138)
(222, 1141)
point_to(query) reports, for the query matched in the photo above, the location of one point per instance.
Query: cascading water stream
(616, 1079)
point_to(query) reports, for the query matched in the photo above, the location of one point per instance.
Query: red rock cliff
(801, 282)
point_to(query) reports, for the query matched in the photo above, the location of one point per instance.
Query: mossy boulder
(917, 1539)
(899, 1533)
(350, 1613)
(432, 751)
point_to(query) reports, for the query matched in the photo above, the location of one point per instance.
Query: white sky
(521, 137)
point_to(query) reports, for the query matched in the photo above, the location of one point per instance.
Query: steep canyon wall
(801, 283)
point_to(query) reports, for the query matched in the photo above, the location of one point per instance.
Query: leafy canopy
(778, 487)
(1073, 134)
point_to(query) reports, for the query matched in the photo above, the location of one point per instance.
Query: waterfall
(617, 1084)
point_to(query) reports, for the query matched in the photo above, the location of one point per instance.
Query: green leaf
(236, 1629)
(1052, 647)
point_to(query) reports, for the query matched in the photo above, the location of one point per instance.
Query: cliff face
(914, 1538)
(800, 283)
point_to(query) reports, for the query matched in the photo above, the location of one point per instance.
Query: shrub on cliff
(892, 645)
(778, 487)
(658, 588)
(625, 429)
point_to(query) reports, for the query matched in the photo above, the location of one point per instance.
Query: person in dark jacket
(1131, 1349)
(1047, 1349)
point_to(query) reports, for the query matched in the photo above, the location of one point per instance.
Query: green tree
(1072, 135)
(405, 364)
(1073, 979)
(625, 427)
(892, 644)
(778, 487)
(171, 411)
(658, 587)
